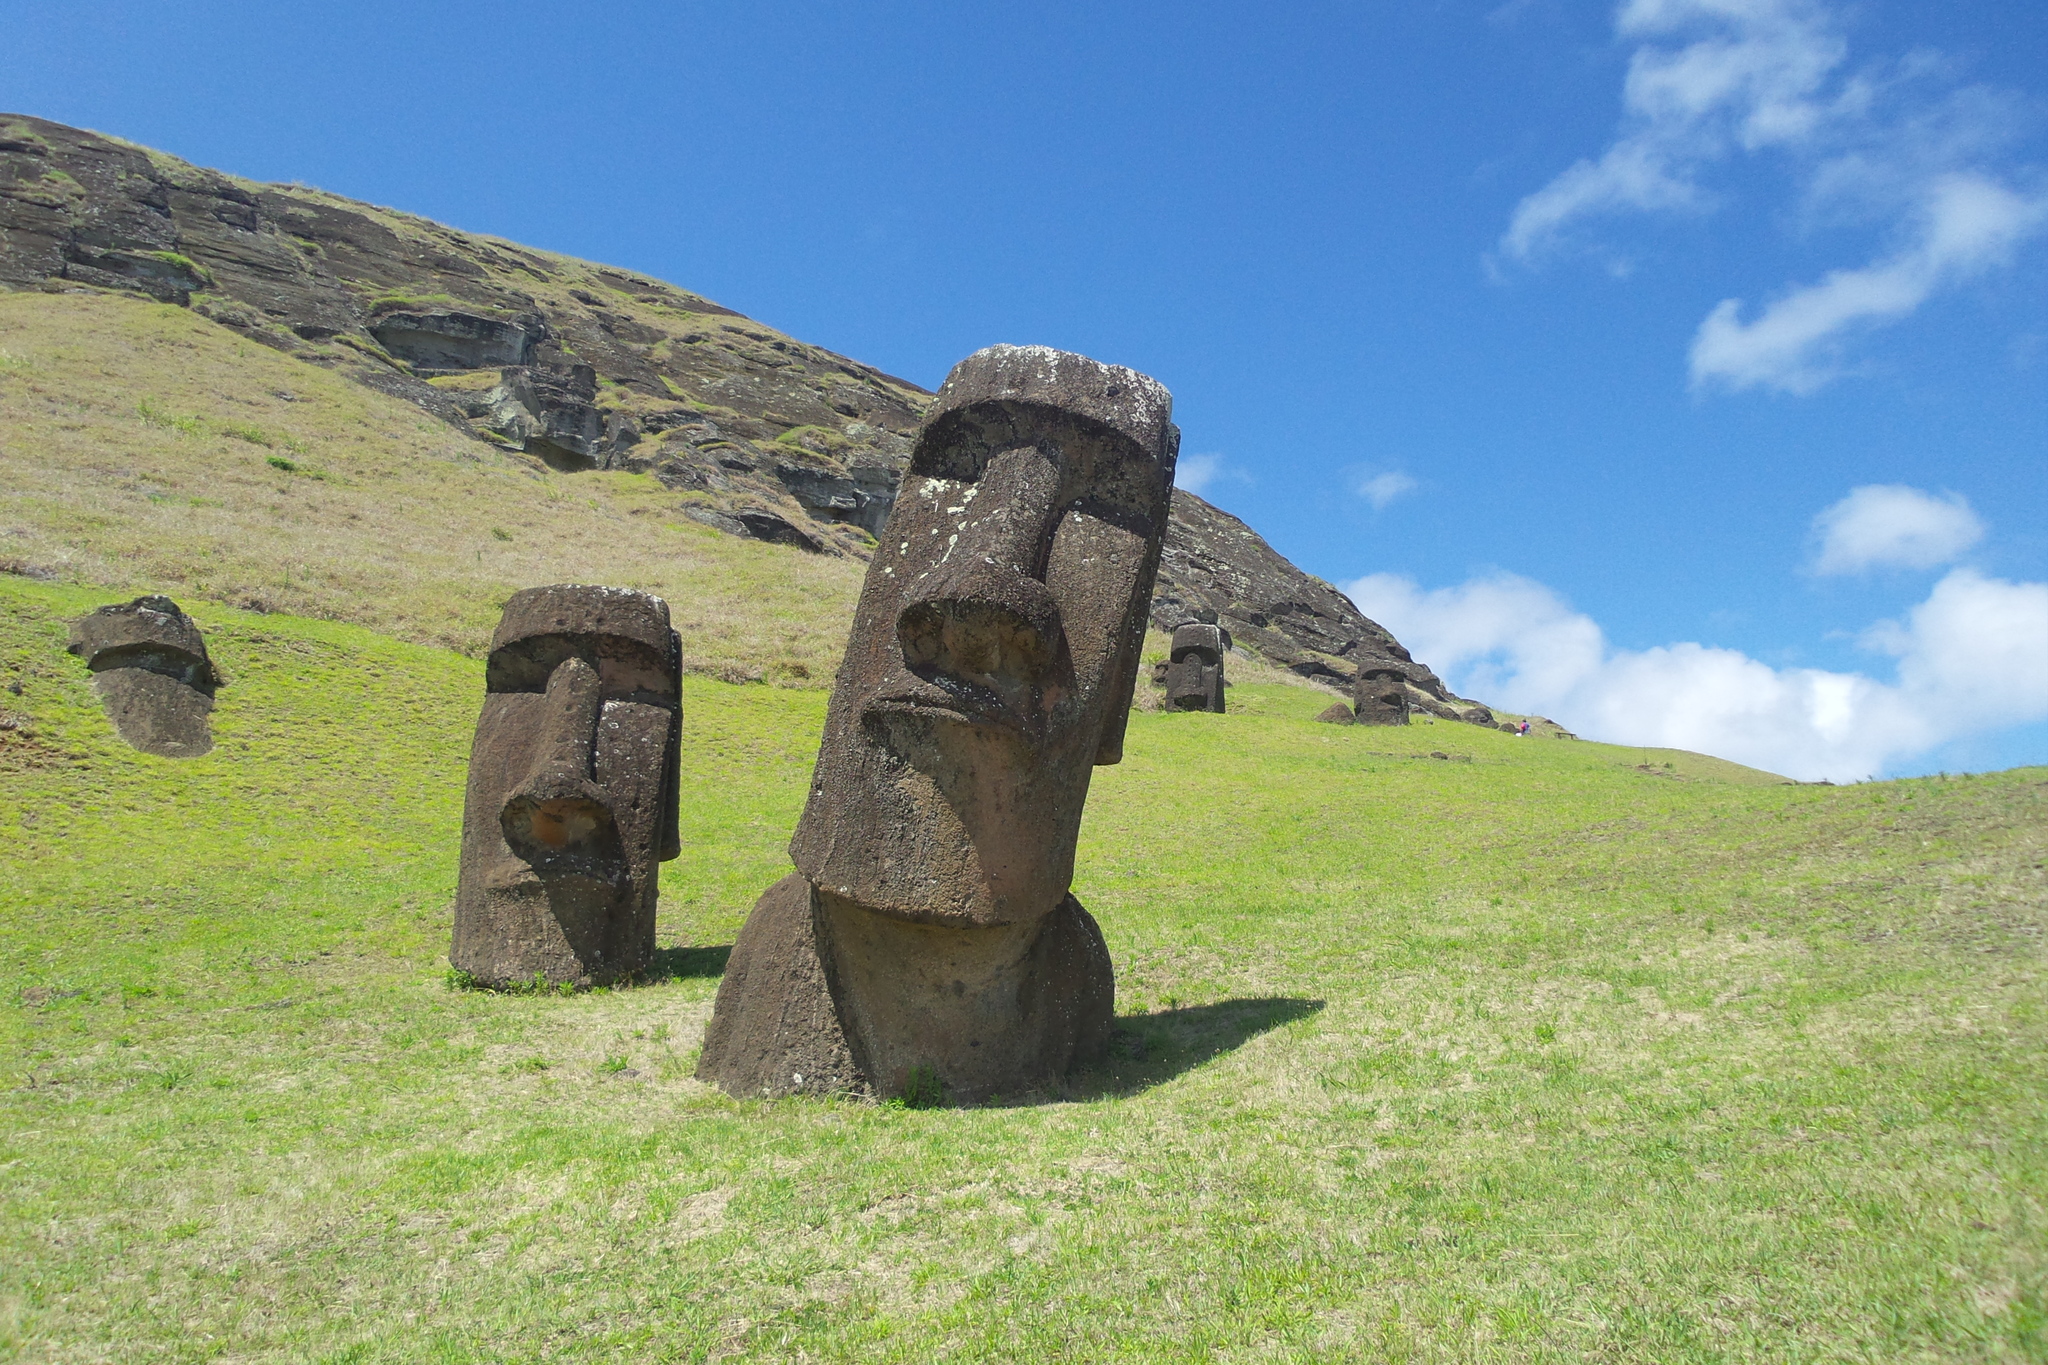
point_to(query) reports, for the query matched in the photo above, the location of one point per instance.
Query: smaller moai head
(152, 675)
(1381, 697)
(1194, 678)
(572, 793)
(996, 643)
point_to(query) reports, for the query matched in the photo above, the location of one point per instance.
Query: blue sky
(1563, 334)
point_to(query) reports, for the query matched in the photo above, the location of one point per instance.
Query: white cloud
(1754, 80)
(1970, 224)
(1972, 658)
(1630, 175)
(1197, 472)
(1381, 489)
(1893, 526)
(1712, 80)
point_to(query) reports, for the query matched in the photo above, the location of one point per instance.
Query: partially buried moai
(1380, 697)
(1194, 678)
(928, 931)
(152, 674)
(572, 794)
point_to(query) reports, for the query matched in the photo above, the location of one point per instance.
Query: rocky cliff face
(1218, 570)
(583, 366)
(580, 365)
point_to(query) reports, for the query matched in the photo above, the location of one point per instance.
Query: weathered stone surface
(756, 524)
(1194, 674)
(1380, 697)
(445, 341)
(552, 411)
(151, 671)
(1336, 713)
(991, 665)
(822, 997)
(573, 786)
(862, 495)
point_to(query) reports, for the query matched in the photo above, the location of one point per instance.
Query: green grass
(1531, 1057)
(145, 448)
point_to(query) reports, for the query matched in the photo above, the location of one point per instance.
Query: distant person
(1522, 729)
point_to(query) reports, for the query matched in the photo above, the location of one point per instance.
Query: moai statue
(1194, 680)
(1380, 698)
(927, 933)
(150, 669)
(572, 789)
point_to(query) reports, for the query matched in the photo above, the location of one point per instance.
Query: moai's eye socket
(628, 669)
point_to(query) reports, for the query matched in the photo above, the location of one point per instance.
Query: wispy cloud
(1971, 659)
(1969, 224)
(1889, 147)
(1893, 526)
(1199, 473)
(1381, 489)
(1755, 78)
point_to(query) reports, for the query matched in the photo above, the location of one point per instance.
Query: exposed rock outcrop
(1218, 570)
(613, 370)
(583, 366)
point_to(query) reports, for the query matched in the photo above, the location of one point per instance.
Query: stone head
(572, 791)
(1194, 677)
(1380, 697)
(996, 642)
(1199, 641)
(152, 674)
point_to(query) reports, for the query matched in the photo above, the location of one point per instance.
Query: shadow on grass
(670, 964)
(1151, 1049)
(686, 964)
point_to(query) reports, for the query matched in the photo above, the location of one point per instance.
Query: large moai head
(1194, 677)
(572, 788)
(1380, 697)
(152, 675)
(996, 643)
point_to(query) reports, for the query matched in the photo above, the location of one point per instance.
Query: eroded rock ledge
(583, 366)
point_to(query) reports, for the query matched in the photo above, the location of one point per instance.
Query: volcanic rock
(1194, 676)
(152, 674)
(930, 935)
(573, 789)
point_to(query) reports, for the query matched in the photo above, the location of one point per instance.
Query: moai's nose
(983, 615)
(559, 808)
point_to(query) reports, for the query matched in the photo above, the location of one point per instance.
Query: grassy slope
(135, 449)
(1531, 1057)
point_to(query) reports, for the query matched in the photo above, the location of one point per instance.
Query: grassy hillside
(1529, 1052)
(145, 448)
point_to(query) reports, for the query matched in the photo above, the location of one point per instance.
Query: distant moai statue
(1194, 678)
(928, 937)
(573, 787)
(1380, 697)
(152, 674)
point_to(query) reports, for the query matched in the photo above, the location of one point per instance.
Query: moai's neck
(948, 999)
